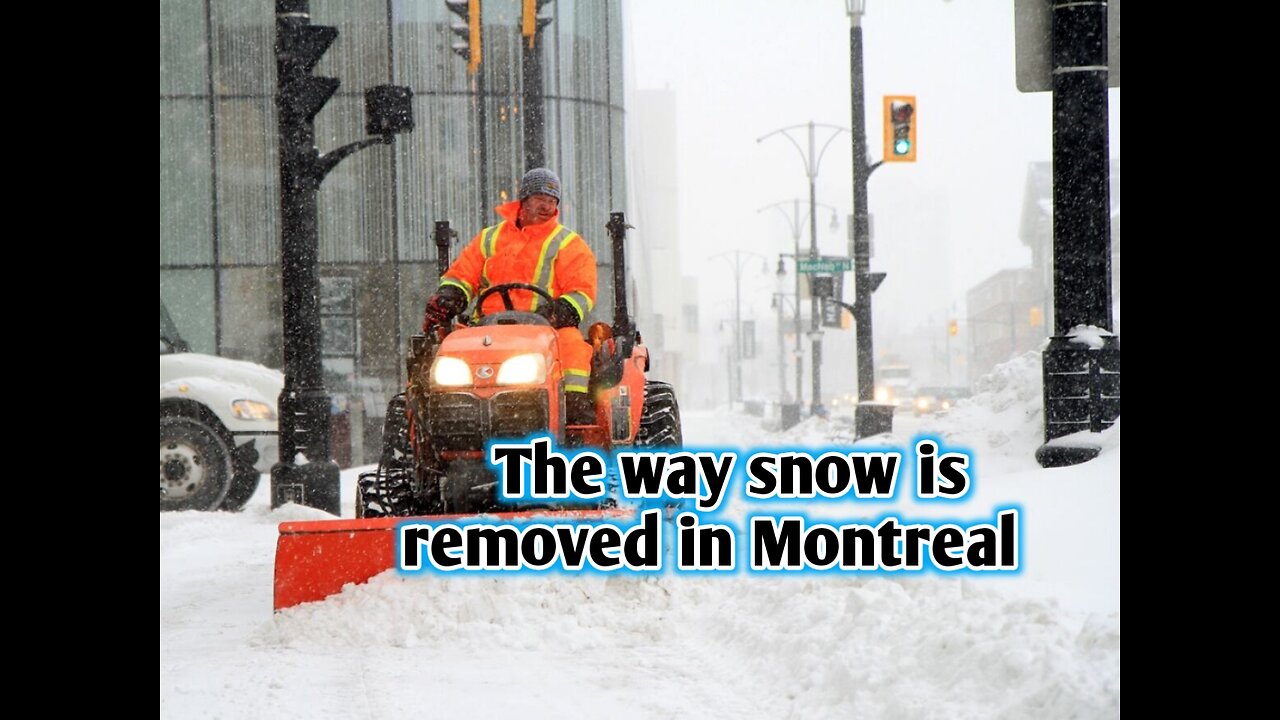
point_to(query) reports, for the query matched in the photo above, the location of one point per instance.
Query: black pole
(535, 132)
(482, 145)
(1081, 383)
(305, 474)
(870, 418)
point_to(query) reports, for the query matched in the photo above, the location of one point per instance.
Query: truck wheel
(195, 465)
(660, 417)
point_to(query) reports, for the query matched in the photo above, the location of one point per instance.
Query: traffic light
(899, 128)
(953, 328)
(468, 30)
(299, 45)
(530, 23)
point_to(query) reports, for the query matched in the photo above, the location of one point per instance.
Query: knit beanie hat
(540, 180)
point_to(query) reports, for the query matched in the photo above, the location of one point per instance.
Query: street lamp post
(738, 256)
(870, 418)
(794, 221)
(812, 163)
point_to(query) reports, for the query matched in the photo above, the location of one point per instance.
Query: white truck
(218, 429)
(894, 385)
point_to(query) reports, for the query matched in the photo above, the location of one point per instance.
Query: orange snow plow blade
(316, 558)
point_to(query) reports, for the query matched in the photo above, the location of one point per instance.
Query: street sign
(826, 265)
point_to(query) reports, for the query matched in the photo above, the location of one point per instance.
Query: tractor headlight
(529, 369)
(252, 410)
(451, 371)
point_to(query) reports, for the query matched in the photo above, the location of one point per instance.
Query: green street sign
(825, 265)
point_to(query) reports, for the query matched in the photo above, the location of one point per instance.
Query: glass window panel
(244, 48)
(188, 295)
(184, 49)
(186, 233)
(252, 324)
(248, 182)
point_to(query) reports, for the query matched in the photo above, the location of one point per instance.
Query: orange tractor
(498, 377)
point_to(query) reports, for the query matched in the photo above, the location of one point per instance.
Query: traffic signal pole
(306, 473)
(870, 418)
(532, 110)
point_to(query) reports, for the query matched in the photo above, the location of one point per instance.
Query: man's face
(537, 208)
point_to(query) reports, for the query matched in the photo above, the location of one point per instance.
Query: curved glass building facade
(219, 176)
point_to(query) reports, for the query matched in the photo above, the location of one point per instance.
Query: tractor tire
(195, 465)
(390, 491)
(660, 417)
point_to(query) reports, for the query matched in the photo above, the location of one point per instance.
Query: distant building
(1004, 319)
(1036, 231)
(667, 307)
(1012, 311)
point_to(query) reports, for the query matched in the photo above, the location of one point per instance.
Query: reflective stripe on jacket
(548, 255)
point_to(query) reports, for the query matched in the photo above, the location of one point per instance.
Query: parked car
(218, 429)
(938, 400)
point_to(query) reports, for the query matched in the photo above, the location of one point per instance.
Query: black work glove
(563, 314)
(447, 302)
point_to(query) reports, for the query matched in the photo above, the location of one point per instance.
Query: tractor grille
(461, 421)
(456, 421)
(518, 413)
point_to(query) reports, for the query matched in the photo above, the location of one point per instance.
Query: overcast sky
(743, 68)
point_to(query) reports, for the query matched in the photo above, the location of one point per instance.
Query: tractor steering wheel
(504, 290)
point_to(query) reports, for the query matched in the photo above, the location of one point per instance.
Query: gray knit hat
(540, 180)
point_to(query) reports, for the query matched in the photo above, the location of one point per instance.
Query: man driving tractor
(529, 245)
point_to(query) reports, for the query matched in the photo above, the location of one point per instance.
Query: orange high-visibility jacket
(548, 255)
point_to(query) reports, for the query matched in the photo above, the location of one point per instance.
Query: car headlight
(529, 369)
(922, 403)
(252, 410)
(946, 404)
(451, 371)
(883, 395)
